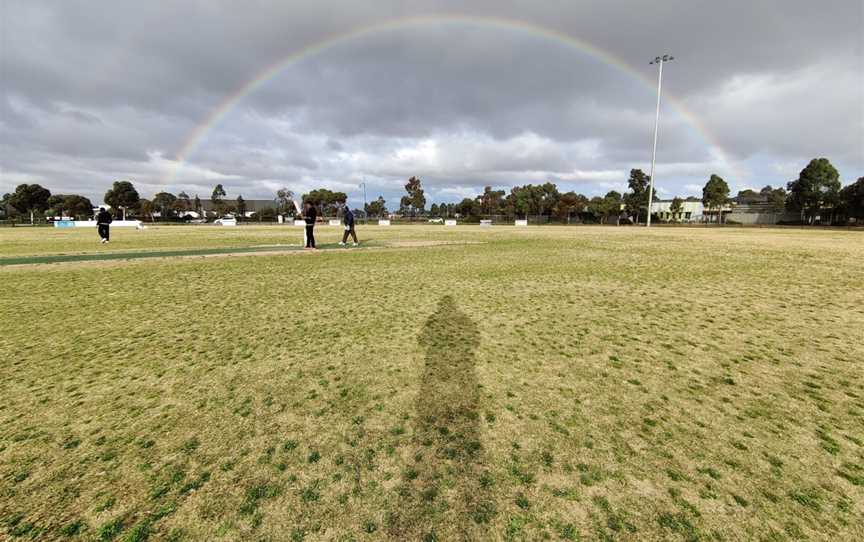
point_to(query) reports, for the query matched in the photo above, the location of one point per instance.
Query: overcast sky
(98, 91)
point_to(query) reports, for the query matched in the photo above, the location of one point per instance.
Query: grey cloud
(117, 88)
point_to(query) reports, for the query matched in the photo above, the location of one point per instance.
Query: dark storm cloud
(97, 90)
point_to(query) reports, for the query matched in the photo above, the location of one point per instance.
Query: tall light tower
(365, 212)
(660, 60)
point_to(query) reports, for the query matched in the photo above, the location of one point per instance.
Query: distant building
(252, 206)
(760, 212)
(691, 211)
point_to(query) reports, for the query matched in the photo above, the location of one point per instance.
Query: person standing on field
(103, 223)
(310, 214)
(349, 227)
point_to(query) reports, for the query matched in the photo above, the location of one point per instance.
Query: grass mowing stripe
(62, 258)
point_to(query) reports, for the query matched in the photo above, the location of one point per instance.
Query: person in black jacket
(103, 222)
(348, 218)
(310, 214)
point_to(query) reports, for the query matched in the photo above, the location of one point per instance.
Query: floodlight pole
(365, 212)
(659, 61)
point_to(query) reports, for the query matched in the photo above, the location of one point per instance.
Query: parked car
(226, 221)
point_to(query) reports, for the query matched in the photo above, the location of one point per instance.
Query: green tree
(817, 188)
(606, 207)
(6, 209)
(197, 207)
(468, 207)
(595, 208)
(611, 206)
(433, 210)
(57, 205)
(377, 208)
(490, 200)
(636, 200)
(71, 205)
(532, 200)
(546, 198)
(30, 198)
(285, 202)
(774, 197)
(164, 202)
(218, 193)
(183, 204)
(519, 201)
(147, 208)
(240, 205)
(675, 208)
(79, 206)
(715, 195)
(217, 200)
(327, 200)
(570, 203)
(852, 200)
(122, 195)
(415, 202)
(749, 196)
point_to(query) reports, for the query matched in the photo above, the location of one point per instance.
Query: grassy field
(441, 384)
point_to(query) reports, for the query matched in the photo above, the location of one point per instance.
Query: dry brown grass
(593, 383)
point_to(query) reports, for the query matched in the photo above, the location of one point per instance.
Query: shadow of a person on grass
(444, 495)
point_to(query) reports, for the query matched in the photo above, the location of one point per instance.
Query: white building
(691, 211)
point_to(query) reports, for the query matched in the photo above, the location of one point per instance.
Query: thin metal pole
(365, 212)
(654, 153)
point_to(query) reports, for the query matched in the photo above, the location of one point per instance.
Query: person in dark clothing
(348, 218)
(103, 222)
(310, 214)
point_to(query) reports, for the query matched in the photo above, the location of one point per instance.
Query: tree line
(817, 192)
(34, 200)
(546, 200)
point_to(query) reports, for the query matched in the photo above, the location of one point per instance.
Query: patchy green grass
(509, 384)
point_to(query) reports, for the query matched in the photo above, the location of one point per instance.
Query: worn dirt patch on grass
(30, 262)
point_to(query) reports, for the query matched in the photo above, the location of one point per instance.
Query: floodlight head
(658, 59)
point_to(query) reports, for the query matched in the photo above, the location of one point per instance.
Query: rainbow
(229, 103)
